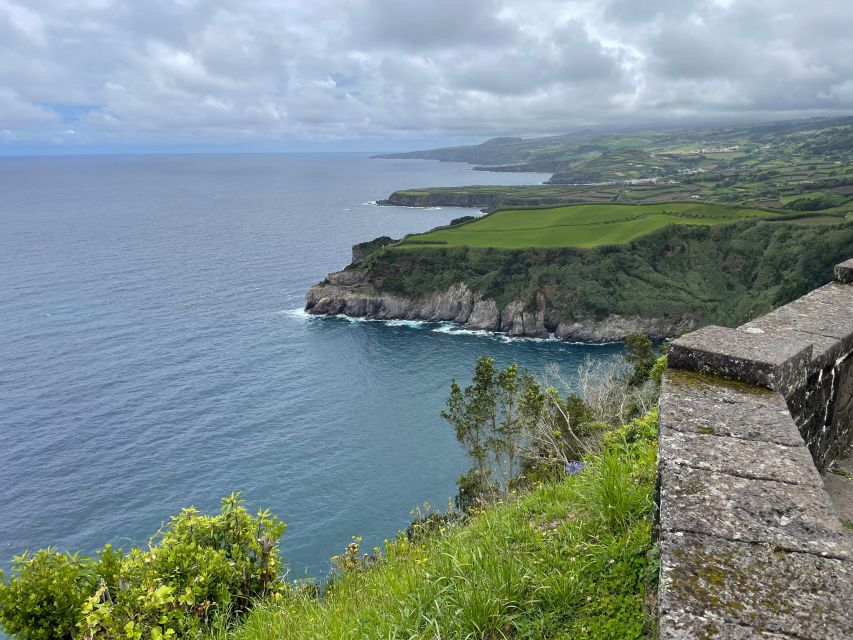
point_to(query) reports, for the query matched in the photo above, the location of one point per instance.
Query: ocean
(154, 355)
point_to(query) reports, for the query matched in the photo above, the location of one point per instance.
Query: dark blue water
(152, 354)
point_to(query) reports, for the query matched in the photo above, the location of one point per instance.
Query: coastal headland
(591, 273)
(657, 232)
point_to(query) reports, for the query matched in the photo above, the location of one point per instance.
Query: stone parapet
(751, 544)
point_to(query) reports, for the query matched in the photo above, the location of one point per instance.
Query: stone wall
(751, 545)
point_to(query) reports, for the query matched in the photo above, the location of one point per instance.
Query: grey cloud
(570, 57)
(424, 26)
(208, 71)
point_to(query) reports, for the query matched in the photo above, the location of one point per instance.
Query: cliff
(487, 197)
(663, 284)
(349, 293)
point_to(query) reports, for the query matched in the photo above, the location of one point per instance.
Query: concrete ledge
(753, 586)
(760, 359)
(790, 517)
(684, 626)
(751, 543)
(736, 457)
(700, 404)
(844, 272)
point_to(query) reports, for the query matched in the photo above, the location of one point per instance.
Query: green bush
(656, 374)
(44, 596)
(198, 570)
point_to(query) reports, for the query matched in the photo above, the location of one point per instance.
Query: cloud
(279, 71)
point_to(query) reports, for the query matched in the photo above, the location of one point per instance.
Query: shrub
(198, 570)
(656, 374)
(44, 596)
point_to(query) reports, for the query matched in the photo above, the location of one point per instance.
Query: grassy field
(582, 226)
(752, 166)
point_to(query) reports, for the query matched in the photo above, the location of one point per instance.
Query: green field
(582, 226)
(768, 165)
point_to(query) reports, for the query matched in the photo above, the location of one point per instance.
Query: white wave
(371, 203)
(447, 327)
(298, 314)
(458, 330)
(510, 339)
(455, 329)
(405, 206)
(412, 324)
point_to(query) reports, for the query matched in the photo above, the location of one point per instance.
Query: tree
(491, 417)
(639, 352)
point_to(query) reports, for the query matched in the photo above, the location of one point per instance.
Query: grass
(568, 560)
(582, 226)
(818, 220)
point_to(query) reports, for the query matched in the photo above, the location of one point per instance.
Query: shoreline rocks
(349, 293)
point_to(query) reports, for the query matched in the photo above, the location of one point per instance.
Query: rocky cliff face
(349, 293)
(364, 249)
(441, 199)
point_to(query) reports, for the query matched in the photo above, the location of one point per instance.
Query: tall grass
(566, 561)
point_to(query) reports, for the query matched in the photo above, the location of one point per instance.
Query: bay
(153, 353)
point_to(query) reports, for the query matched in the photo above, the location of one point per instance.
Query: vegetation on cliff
(198, 572)
(555, 540)
(724, 274)
(571, 559)
(768, 165)
(558, 546)
(582, 226)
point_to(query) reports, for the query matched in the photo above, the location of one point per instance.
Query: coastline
(347, 293)
(447, 327)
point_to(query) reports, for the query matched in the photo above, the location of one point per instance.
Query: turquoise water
(154, 354)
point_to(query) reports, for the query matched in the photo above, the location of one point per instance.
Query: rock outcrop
(349, 293)
(364, 249)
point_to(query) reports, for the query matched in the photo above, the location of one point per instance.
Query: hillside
(579, 226)
(599, 155)
(570, 560)
(663, 283)
(799, 165)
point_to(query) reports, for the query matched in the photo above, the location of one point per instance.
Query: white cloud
(170, 71)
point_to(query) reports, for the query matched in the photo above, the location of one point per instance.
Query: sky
(403, 74)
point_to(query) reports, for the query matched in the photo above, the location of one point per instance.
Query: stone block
(755, 586)
(722, 454)
(765, 360)
(844, 272)
(684, 626)
(814, 397)
(695, 403)
(824, 317)
(791, 517)
(825, 349)
(842, 410)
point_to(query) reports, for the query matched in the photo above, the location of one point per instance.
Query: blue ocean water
(153, 355)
